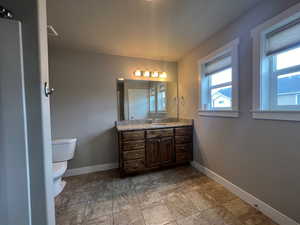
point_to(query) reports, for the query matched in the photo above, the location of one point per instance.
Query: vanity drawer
(133, 135)
(133, 145)
(183, 139)
(184, 131)
(137, 154)
(183, 148)
(134, 165)
(160, 133)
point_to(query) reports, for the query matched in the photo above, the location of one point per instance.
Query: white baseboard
(266, 209)
(90, 169)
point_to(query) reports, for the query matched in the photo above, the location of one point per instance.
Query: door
(153, 153)
(166, 150)
(37, 134)
(14, 164)
(138, 104)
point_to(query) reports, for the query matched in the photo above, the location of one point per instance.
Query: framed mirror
(142, 100)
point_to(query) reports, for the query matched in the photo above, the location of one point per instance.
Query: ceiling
(156, 29)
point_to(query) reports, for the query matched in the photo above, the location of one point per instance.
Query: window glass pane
(161, 98)
(288, 89)
(221, 97)
(152, 99)
(288, 59)
(221, 77)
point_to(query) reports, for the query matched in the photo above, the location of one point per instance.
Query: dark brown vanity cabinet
(144, 150)
(159, 152)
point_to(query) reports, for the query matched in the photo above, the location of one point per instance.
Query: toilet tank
(63, 149)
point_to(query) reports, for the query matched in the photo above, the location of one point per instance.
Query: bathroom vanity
(145, 146)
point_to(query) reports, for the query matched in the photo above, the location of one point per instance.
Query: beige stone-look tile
(79, 197)
(147, 178)
(67, 199)
(131, 216)
(180, 206)
(221, 195)
(125, 200)
(98, 209)
(219, 216)
(101, 220)
(123, 185)
(157, 214)
(239, 208)
(172, 223)
(157, 198)
(209, 185)
(201, 200)
(193, 220)
(149, 197)
(73, 215)
(169, 188)
(75, 181)
(62, 200)
(195, 182)
(257, 219)
(101, 195)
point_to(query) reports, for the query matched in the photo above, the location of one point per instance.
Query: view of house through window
(287, 77)
(221, 89)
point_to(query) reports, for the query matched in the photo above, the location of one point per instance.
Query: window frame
(205, 97)
(156, 86)
(265, 76)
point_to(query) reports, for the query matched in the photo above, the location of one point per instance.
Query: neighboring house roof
(289, 85)
(226, 92)
(285, 85)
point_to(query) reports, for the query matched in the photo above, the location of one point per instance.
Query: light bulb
(137, 73)
(155, 74)
(163, 75)
(146, 74)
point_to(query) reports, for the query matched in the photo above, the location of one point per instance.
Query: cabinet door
(153, 153)
(166, 148)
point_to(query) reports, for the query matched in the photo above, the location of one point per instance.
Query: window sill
(219, 113)
(276, 115)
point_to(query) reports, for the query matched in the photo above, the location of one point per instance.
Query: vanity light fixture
(146, 74)
(163, 75)
(120, 79)
(138, 73)
(155, 74)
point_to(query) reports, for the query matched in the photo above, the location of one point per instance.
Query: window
(220, 86)
(158, 98)
(152, 100)
(161, 98)
(219, 82)
(277, 67)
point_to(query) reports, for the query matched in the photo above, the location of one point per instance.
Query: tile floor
(180, 196)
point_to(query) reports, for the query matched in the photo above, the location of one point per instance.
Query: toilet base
(59, 185)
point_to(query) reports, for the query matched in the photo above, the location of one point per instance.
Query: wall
(32, 14)
(85, 101)
(261, 157)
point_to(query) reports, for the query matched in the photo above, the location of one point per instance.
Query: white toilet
(62, 151)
